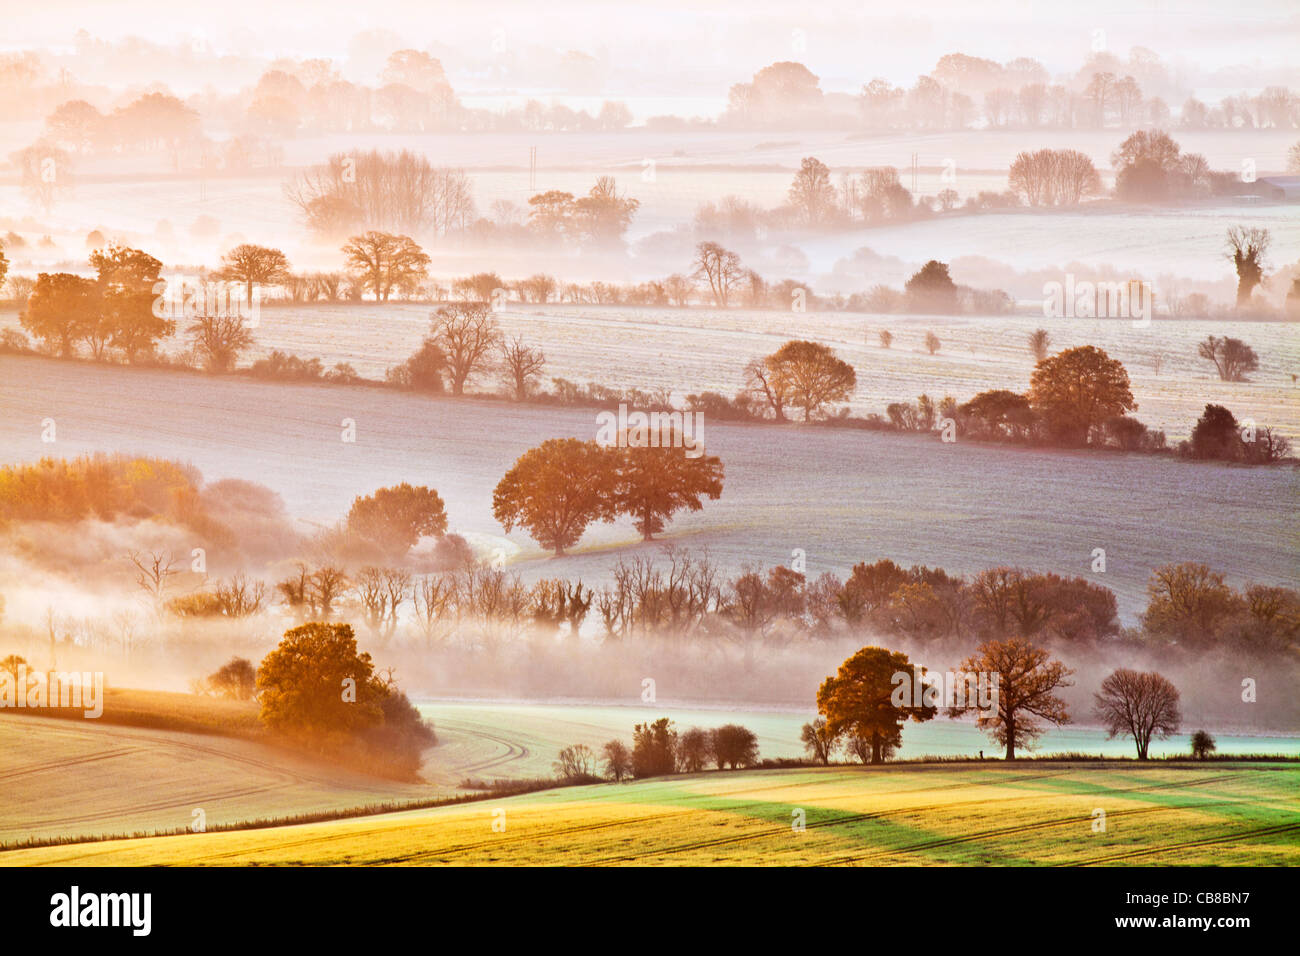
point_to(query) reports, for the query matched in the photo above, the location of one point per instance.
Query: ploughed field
(841, 496)
(1017, 814)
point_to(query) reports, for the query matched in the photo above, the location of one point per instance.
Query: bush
(423, 371)
(14, 342)
(1202, 745)
(734, 746)
(576, 763)
(283, 367)
(236, 679)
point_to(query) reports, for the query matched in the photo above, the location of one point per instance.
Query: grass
(941, 814)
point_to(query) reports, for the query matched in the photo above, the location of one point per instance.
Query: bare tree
(435, 597)
(1232, 358)
(1040, 344)
(467, 334)
(401, 192)
(720, 268)
(521, 364)
(1139, 706)
(1247, 248)
(382, 592)
(219, 339)
(154, 571)
(679, 290)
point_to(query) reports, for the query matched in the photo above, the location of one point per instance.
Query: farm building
(1279, 188)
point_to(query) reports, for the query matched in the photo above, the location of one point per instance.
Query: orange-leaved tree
(860, 701)
(556, 489)
(1027, 679)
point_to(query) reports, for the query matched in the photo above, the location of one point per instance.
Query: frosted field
(842, 496)
(693, 350)
(671, 175)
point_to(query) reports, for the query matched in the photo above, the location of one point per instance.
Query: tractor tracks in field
(1275, 830)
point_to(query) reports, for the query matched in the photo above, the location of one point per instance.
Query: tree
(1040, 344)
(807, 375)
(555, 490)
(252, 265)
(886, 338)
(396, 518)
(520, 365)
(1202, 745)
(1138, 706)
(818, 739)
(1216, 436)
(811, 193)
(384, 262)
(931, 289)
(1078, 389)
(423, 371)
(127, 280)
(1027, 680)
(720, 268)
(1053, 177)
(236, 679)
(60, 310)
(467, 334)
(932, 343)
(316, 686)
(694, 750)
(398, 192)
(858, 700)
(480, 287)
(75, 125)
(1232, 358)
(602, 216)
(654, 748)
(576, 763)
(679, 290)
(1186, 602)
(618, 760)
(1247, 248)
(652, 484)
(218, 340)
(734, 746)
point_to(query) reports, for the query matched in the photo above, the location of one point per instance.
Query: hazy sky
(674, 45)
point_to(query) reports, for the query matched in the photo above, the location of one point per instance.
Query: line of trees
(861, 708)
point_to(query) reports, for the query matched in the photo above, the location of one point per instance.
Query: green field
(1026, 813)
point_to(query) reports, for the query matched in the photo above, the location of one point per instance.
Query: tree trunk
(876, 756)
(1011, 741)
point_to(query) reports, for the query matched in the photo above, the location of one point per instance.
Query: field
(694, 350)
(99, 779)
(835, 494)
(1023, 814)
